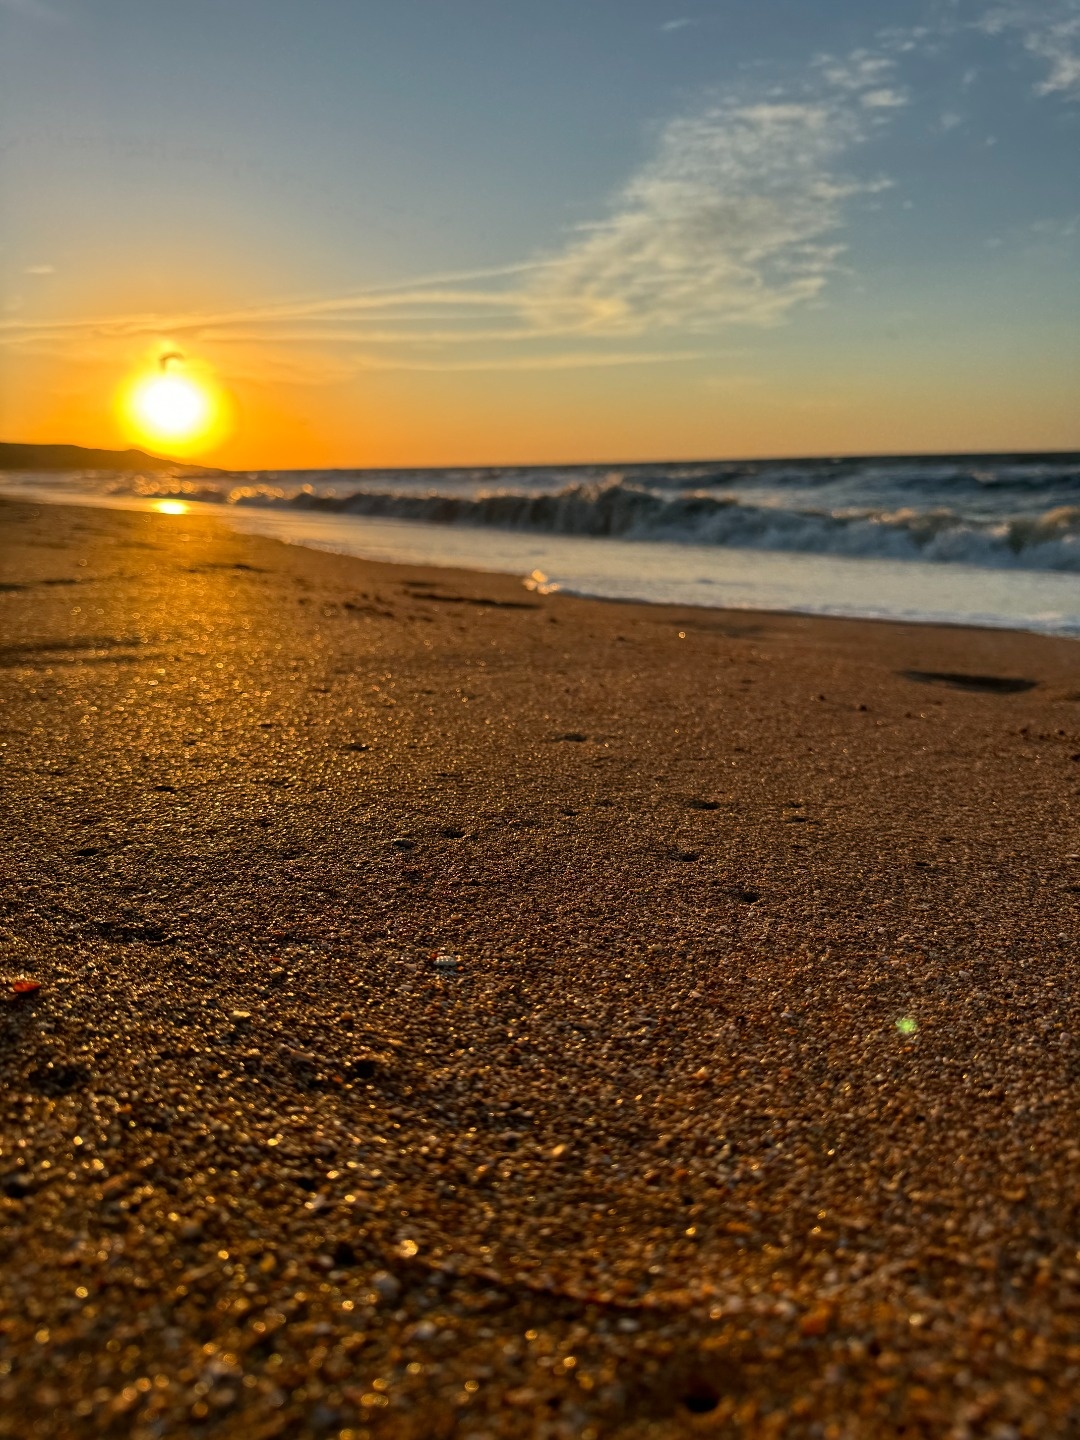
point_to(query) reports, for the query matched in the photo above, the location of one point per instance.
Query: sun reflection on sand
(171, 507)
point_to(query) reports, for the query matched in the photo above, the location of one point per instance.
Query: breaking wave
(1004, 513)
(1049, 541)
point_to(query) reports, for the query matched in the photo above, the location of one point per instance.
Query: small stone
(386, 1285)
(815, 1322)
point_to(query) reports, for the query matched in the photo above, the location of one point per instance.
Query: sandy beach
(470, 1013)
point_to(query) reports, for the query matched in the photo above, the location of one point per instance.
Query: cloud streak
(734, 220)
(1049, 30)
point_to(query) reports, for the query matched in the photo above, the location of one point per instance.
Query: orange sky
(621, 412)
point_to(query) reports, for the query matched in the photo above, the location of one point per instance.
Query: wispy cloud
(736, 219)
(671, 25)
(1049, 30)
(733, 222)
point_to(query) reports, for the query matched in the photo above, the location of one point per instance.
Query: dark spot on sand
(364, 1067)
(164, 789)
(472, 600)
(687, 855)
(69, 652)
(127, 933)
(87, 850)
(58, 1079)
(361, 608)
(225, 565)
(745, 894)
(403, 843)
(343, 1255)
(575, 735)
(451, 832)
(701, 1398)
(985, 684)
(16, 1186)
(703, 804)
(356, 746)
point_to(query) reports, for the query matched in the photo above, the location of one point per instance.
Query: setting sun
(171, 407)
(180, 410)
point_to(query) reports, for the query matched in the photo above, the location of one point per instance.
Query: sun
(170, 407)
(178, 408)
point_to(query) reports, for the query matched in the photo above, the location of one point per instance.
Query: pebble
(386, 1285)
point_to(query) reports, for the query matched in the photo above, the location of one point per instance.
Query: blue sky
(437, 208)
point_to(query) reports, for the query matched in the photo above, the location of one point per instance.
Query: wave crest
(618, 509)
(842, 508)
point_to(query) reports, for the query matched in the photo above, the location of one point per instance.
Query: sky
(400, 232)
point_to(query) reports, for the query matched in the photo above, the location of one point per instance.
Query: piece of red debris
(25, 987)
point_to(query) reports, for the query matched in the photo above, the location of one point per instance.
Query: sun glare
(178, 410)
(171, 407)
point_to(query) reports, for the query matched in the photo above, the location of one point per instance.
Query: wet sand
(748, 1106)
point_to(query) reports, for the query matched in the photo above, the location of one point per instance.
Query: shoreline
(746, 1102)
(658, 572)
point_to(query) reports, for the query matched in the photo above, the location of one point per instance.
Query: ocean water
(985, 540)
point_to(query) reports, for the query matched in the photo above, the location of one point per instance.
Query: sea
(986, 540)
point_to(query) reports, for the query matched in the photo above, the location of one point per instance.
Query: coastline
(769, 572)
(660, 1116)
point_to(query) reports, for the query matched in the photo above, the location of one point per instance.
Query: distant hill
(78, 457)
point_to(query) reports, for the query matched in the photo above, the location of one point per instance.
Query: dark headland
(467, 1013)
(78, 457)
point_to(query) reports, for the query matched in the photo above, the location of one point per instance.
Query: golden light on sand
(176, 407)
(170, 507)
